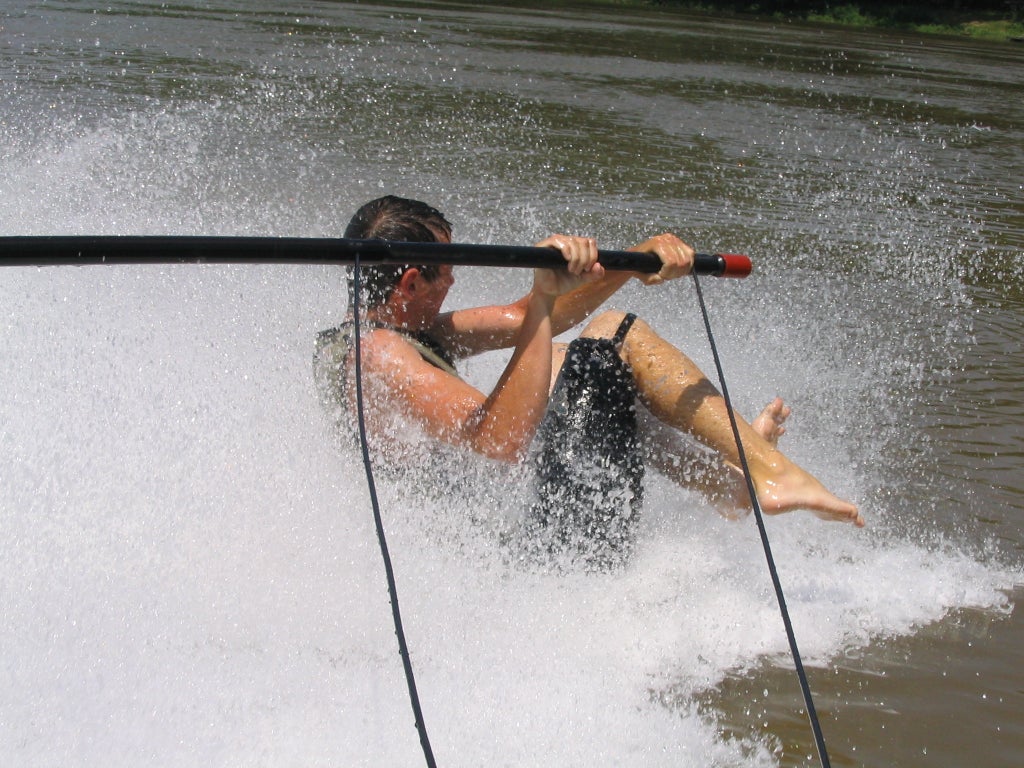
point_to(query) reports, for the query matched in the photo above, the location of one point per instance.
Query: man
(582, 398)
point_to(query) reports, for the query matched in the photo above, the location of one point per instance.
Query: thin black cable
(396, 614)
(812, 714)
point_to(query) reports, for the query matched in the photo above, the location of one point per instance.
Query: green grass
(994, 30)
(923, 20)
(937, 18)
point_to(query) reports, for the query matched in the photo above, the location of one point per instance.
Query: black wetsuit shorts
(589, 465)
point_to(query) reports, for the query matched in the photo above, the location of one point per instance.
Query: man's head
(398, 219)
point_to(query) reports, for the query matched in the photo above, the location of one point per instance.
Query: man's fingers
(580, 253)
(676, 258)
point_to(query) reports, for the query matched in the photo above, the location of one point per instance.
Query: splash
(189, 570)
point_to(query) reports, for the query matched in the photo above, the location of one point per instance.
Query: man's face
(432, 293)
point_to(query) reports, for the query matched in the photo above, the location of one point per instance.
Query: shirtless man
(408, 347)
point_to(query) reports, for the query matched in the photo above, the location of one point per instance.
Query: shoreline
(1003, 25)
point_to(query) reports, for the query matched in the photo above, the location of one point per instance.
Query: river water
(188, 570)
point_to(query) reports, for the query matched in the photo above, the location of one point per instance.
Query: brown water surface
(876, 180)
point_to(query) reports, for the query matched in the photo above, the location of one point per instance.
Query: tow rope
(805, 689)
(396, 614)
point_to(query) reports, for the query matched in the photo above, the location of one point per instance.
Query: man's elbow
(505, 453)
(510, 449)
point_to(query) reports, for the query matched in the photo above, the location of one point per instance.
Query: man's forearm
(576, 306)
(508, 418)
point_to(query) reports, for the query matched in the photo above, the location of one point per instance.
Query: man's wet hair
(398, 219)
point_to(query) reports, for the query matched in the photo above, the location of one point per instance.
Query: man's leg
(690, 465)
(679, 395)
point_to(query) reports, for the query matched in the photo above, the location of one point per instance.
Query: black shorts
(589, 467)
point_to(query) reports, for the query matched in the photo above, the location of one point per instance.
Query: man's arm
(502, 424)
(499, 426)
(471, 331)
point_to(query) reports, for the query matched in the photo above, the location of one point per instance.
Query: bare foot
(790, 488)
(768, 423)
(787, 486)
(731, 496)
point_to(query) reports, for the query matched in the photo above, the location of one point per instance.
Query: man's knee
(604, 325)
(608, 323)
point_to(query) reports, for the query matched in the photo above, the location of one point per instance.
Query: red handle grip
(722, 264)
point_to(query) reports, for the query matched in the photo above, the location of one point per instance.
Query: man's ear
(407, 283)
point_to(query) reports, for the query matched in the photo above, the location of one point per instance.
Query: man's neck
(386, 317)
(395, 314)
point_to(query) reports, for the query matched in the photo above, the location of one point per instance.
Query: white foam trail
(190, 574)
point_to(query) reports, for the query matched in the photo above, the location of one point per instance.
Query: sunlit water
(189, 570)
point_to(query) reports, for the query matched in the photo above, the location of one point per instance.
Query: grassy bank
(1002, 21)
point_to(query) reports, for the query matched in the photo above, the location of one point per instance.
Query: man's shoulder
(344, 335)
(334, 346)
(389, 347)
(381, 348)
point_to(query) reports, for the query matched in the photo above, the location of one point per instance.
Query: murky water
(189, 570)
